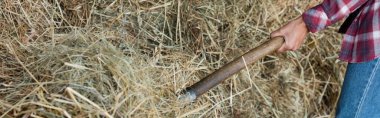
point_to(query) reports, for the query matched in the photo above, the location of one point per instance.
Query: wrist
(302, 23)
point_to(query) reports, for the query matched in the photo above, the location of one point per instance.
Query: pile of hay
(130, 58)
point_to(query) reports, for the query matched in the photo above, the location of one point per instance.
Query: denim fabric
(360, 96)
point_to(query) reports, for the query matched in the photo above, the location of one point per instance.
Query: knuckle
(295, 48)
(292, 48)
(298, 47)
(289, 46)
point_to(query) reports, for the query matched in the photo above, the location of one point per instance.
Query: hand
(294, 34)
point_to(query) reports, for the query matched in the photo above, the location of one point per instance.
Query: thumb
(276, 33)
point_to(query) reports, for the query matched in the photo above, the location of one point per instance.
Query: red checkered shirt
(361, 42)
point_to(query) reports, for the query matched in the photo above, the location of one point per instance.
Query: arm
(313, 20)
(329, 12)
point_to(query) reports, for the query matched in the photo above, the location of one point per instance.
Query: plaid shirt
(361, 42)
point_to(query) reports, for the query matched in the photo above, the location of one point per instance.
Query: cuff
(316, 19)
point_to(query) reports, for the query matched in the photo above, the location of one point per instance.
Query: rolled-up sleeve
(329, 12)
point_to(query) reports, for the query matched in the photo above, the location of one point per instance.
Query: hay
(130, 59)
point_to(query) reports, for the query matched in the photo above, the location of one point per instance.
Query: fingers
(289, 45)
(281, 49)
(284, 46)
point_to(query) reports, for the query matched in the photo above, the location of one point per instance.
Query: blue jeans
(360, 96)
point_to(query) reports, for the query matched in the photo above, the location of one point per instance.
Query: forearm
(329, 12)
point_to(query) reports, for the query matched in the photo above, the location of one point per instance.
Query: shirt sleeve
(329, 12)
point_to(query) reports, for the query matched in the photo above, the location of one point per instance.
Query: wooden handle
(233, 67)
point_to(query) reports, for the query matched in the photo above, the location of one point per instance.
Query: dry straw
(130, 58)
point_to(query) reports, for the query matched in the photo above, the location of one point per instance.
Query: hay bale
(131, 58)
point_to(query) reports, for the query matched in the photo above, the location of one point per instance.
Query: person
(360, 96)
